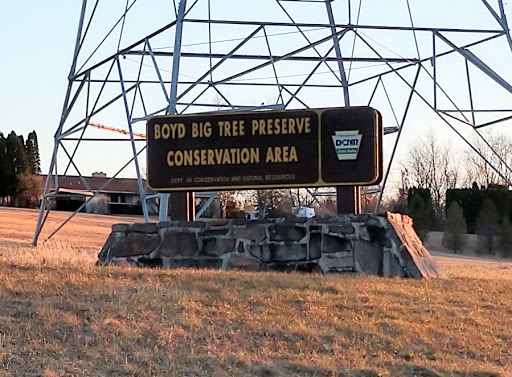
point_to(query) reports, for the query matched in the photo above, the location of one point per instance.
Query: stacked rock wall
(366, 244)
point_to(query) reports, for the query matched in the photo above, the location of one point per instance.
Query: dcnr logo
(346, 144)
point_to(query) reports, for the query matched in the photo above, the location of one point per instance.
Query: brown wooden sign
(265, 149)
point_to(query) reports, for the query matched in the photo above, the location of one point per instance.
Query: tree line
(459, 192)
(483, 211)
(20, 164)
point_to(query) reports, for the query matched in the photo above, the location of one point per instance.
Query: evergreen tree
(32, 149)
(487, 226)
(16, 154)
(3, 166)
(506, 236)
(16, 162)
(454, 236)
(421, 210)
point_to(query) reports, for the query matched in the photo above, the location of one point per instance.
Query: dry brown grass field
(62, 316)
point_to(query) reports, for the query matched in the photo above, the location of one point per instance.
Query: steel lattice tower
(136, 58)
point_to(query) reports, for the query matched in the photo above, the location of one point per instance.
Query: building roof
(95, 183)
(75, 184)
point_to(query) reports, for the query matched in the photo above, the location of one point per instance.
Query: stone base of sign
(384, 245)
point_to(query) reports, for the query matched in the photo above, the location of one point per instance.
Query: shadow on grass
(15, 244)
(395, 371)
(411, 370)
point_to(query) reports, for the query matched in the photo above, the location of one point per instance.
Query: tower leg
(43, 210)
(178, 201)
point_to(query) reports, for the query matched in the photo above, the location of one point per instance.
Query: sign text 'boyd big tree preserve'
(265, 149)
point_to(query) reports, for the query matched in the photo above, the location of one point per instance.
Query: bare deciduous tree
(300, 197)
(432, 165)
(30, 190)
(497, 150)
(269, 202)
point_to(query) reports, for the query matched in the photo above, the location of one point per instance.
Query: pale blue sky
(37, 40)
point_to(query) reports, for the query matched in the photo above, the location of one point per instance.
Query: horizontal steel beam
(277, 57)
(344, 26)
(476, 111)
(97, 139)
(234, 83)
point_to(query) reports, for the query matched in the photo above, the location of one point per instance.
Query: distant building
(118, 196)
